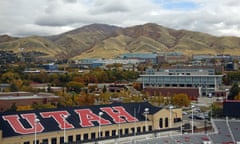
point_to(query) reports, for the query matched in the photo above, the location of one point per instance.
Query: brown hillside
(105, 41)
(37, 44)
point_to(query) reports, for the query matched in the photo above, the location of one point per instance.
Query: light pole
(35, 130)
(119, 127)
(99, 128)
(170, 109)
(64, 129)
(192, 117)
(134, 134)
(135, 122)
(210, 95)
(227, 91)
(182, 127)
(146, 111)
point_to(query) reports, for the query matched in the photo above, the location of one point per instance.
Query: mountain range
(107, 41)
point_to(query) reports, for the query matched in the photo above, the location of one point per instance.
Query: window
(54, 141)
(45, 141)
(70, 138)
(61, 140)
(150, 128)
(126, 131)
(85, 136)
(133, 130)
(138, 129)
(144, 128)
(161, 123)
(107, 133)
(36, 142)
(121, 132)
(113, 132)
(166, 122)
(93, 135)
(78, 137)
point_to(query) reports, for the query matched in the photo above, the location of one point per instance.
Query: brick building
(8, 99)
(192, 93)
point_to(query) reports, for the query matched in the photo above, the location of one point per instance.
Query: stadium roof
(22, 123)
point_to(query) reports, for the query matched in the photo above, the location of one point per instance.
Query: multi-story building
(203, 79)
(86, 123)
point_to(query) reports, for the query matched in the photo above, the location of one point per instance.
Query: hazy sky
(49, 17)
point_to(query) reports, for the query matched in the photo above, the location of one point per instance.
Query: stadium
(122, 123)
(86, 124)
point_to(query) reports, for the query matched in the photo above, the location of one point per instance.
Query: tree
(22, 108)
(181, 100)
(66, 99)
(13, 88)
(13, 79)
(237, 97)
(217, 110)
(42, 106)
(104, 89)
(104, 97)
(74, 86)
(92, 88)
(86, 99)
(9, 76)
(232, 77)
(233, 91)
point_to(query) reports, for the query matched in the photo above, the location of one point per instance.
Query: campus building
(9, 99)
(147, 57)
(86, 123)
(205, 80)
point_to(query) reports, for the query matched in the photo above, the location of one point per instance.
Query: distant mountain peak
(95, 27)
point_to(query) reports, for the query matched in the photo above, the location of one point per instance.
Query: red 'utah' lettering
(59, 118)
(18, 127)
(119, 114)
(87, 117)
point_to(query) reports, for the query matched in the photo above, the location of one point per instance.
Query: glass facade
(205, 80)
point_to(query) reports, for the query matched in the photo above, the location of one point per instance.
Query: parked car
(190, 116)
(184, 113)
(200, 116)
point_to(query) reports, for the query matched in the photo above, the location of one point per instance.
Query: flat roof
(152, 75)
(25, 97)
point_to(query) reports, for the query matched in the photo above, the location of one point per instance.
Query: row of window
(93, 136)
(179, 85)
(177, 79)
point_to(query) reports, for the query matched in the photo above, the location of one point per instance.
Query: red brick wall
(6, 104)
(193, 93)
